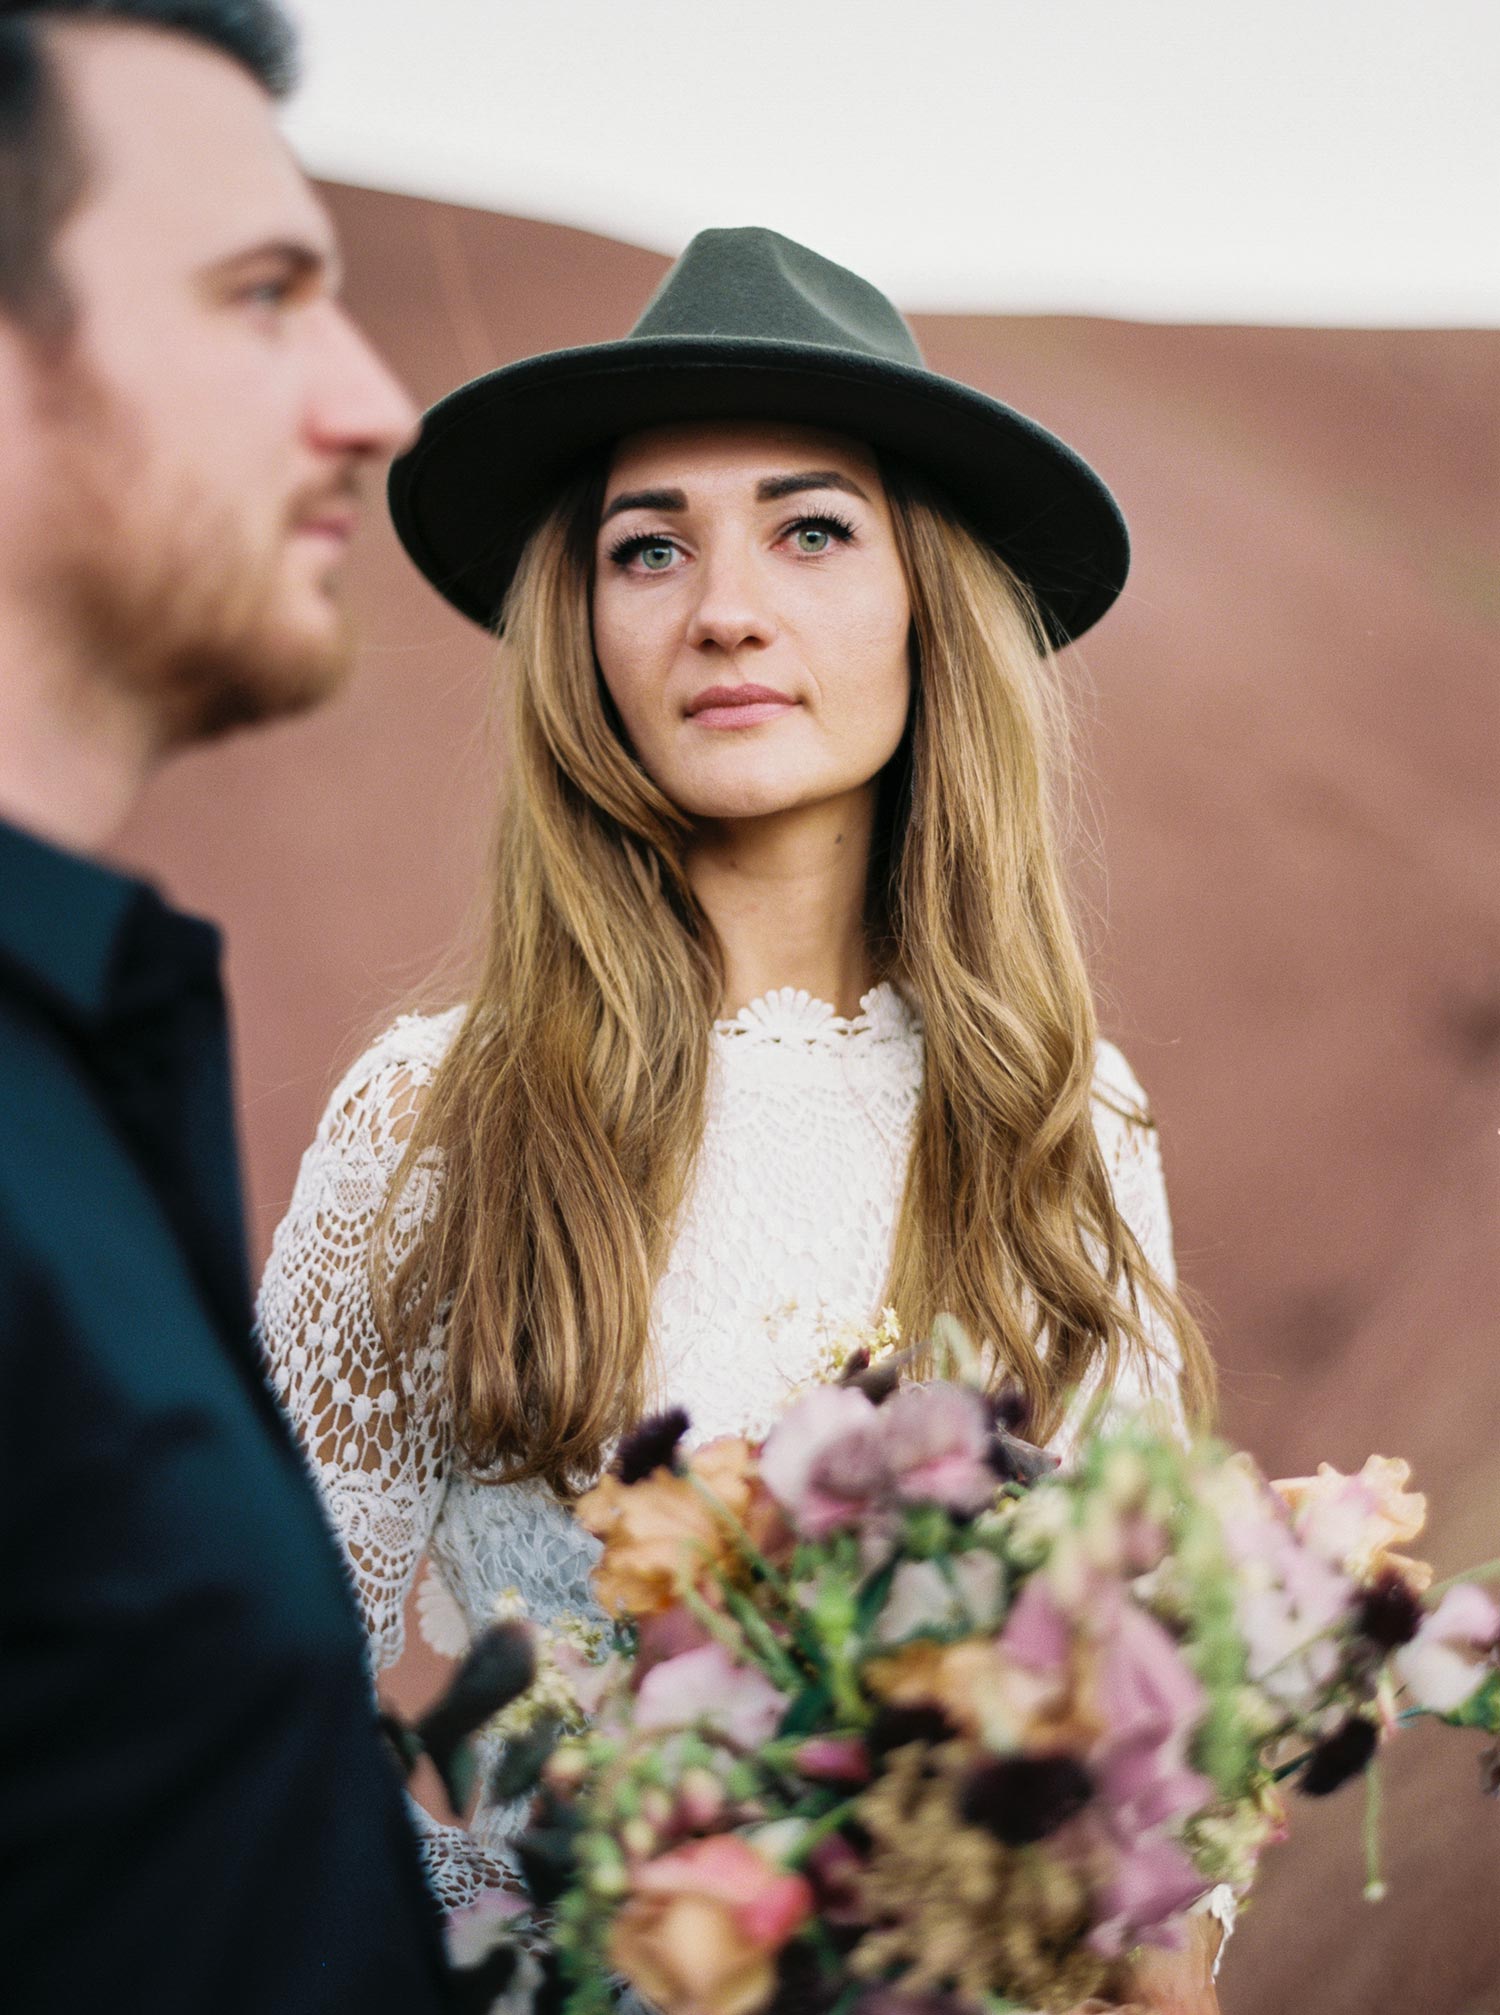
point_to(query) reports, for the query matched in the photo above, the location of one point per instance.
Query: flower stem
(715, 1622)
(741, 1537)
(820, 1829)
(1374, 1882)
(1489, 1571)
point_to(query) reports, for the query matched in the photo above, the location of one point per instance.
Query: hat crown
(753, 285)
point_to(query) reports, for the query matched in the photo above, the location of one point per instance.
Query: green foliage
(1480, 1710)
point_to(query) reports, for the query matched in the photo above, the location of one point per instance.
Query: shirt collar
(93, 940)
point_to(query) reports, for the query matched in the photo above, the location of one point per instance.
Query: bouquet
(899, 1707)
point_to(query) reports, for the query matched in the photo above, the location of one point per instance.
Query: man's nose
(359, 406)
(731, 609)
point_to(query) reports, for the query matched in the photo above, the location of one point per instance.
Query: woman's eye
(645, 553)
(815, 536)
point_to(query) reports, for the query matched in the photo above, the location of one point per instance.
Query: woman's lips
(737, 706)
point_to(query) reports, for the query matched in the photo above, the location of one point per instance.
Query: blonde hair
(568, 1112)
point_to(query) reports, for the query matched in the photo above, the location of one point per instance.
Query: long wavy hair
(564, 1121)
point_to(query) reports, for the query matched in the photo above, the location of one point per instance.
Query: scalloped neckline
(792, 1015)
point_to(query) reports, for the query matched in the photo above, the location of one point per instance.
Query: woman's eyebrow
(776, 487)
(770, 490)
(644, 500)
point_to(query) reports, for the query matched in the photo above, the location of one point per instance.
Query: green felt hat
(748, 325)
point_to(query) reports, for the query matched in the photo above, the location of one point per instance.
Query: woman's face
(751, 615)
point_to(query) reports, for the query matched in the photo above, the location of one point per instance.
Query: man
(195, 1814)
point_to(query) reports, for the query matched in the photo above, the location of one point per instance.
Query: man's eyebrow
(305, 260)
(776, 487)
(644, 500)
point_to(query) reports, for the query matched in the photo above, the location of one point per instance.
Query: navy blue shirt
(196, 1814)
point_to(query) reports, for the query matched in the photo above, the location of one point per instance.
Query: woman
(782, 1019)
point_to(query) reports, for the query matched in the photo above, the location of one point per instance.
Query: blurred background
(1245, 261)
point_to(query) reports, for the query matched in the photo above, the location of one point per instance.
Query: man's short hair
(43, 163)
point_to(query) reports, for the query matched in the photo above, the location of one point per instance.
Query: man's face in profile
(193, 460)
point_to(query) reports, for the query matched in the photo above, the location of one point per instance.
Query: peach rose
(981, 1691)
(1353, 1522)
(700, 1933)
(661, 1535)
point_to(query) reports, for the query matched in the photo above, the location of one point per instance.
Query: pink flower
(1151, 1884)
(936, 1442)
(1149, 1705)
(834, 1759)
(1038, 1633)
(666, 1635)
(1453, 1652)
(707, 1689)
(836, 1461)
(835, 1419)
(1290, 1596)
(701, 1930)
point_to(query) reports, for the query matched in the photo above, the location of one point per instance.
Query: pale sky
(1318, 161)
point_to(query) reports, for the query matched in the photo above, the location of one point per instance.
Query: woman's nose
(731, 610)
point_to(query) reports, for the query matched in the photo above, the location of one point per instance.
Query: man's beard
(181, 605)
(195, 629)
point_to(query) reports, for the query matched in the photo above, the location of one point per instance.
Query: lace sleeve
(381, 1459)
(380, 1463)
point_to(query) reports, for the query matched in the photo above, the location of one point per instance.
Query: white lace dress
(786, 1236)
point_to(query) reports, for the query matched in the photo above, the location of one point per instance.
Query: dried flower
(1016, 1461)
(921, 1722)
(1022, 1799)
(1388, 1613)
(1338, 1757)
(651, 1445)
(957, 1912)
(1489, 1772)
(1010, 1407)
(979, 1689)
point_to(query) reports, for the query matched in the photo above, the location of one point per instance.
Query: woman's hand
(1171, 1983)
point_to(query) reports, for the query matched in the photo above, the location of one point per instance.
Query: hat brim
(492, 456)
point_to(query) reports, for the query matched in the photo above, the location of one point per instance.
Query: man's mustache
(345, 492)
